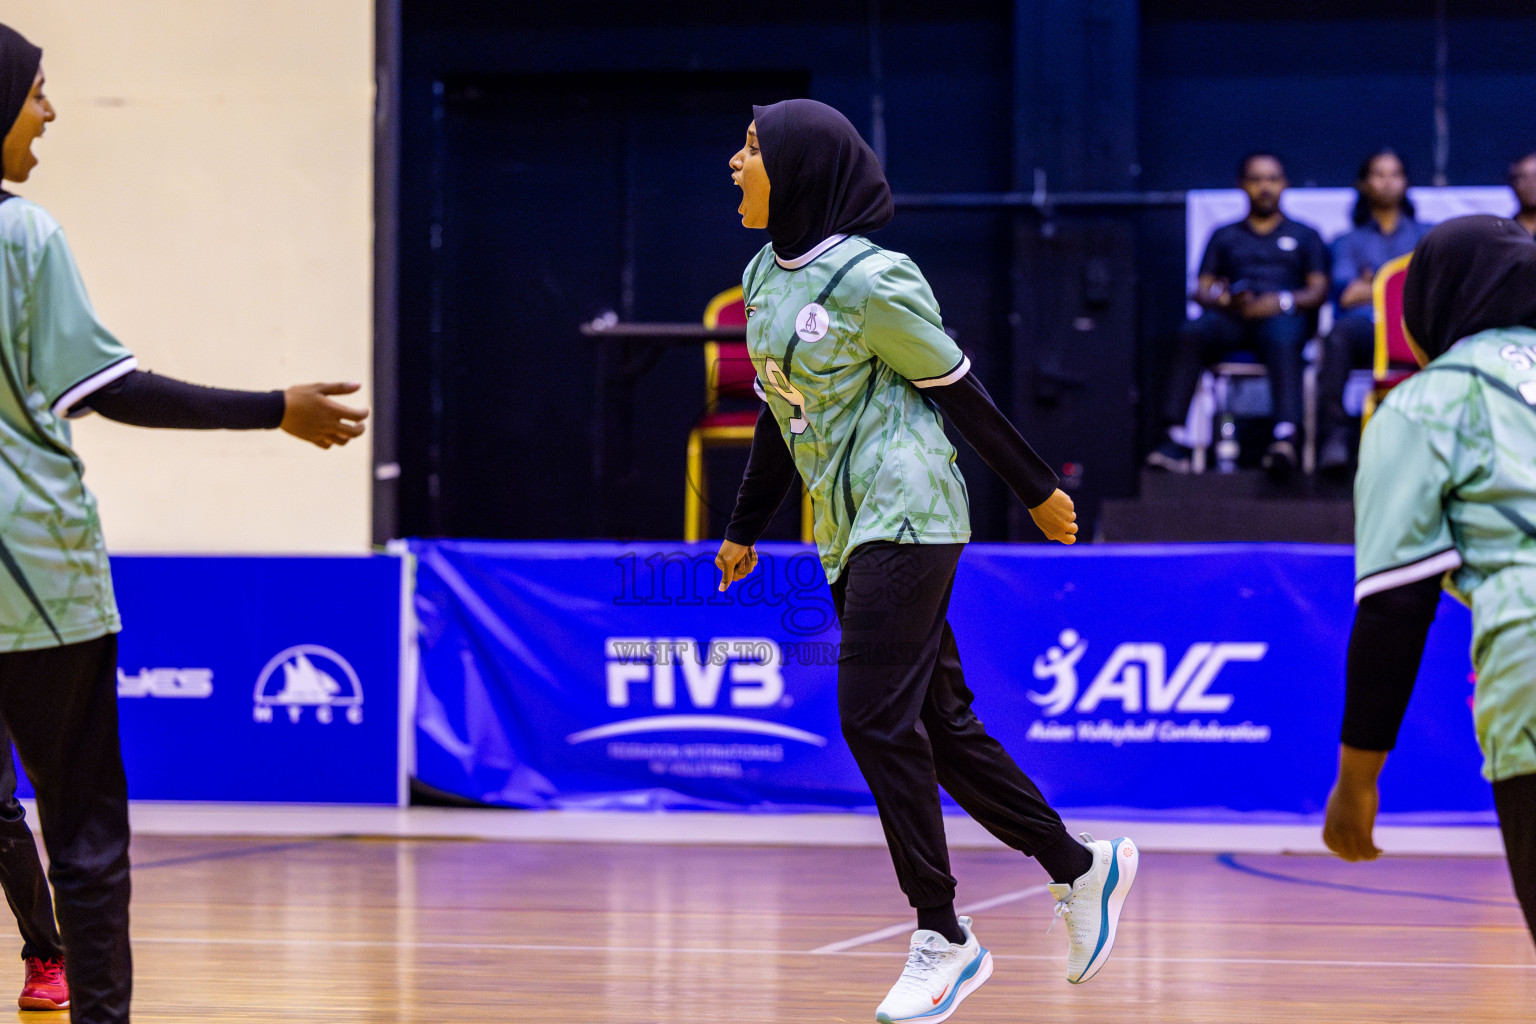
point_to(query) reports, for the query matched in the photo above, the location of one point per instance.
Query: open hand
(1056, 517)
(310, 415)
(735, 562)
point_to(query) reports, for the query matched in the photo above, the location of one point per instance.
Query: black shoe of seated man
(1280, 460)
(1333, 460)
(1170, 456)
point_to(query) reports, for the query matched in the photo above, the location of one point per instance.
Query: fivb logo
(743, 672)
(1136, 676)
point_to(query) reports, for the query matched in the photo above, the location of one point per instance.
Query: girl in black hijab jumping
(854, 369)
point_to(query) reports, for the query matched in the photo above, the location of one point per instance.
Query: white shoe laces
(922, 964)
(1077, 924)
(1063, 907)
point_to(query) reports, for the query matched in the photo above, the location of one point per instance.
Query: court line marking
(907, 926)
(1230, 860)
(520, 947)
(250, 851)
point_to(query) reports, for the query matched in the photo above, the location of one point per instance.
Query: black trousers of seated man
(60, 707)
(1350, 345)
(906, 714)
(21, 869)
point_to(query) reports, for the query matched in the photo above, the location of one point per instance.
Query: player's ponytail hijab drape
(823, 179)
(1467, 275)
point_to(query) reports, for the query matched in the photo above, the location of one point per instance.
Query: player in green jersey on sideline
(1446, 491)
(58, 617)
(854, 368)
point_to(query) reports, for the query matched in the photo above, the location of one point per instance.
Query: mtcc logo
(1136, 676)
(311, 676)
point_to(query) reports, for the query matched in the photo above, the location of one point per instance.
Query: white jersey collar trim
(810, 257)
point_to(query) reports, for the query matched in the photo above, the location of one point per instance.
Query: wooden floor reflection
(415, 931)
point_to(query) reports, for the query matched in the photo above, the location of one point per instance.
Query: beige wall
(211, 165)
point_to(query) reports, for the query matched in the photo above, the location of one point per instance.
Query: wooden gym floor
(411, 931)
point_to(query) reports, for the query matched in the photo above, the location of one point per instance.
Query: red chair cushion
(744, 418)
(734, 373)
(732, 315)
(1398, 350)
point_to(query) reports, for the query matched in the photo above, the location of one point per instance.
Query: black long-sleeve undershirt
(771, 469)
(995, 439)
(1386, 646)
(768, 479)
(154, 400)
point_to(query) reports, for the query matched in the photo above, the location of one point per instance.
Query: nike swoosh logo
(940, 996)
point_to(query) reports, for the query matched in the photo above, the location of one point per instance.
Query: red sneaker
(45, 987)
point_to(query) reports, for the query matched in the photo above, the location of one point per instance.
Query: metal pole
(876, 85)
(1442, 112)
(384, 428)
(1041, 199)
(436, 358)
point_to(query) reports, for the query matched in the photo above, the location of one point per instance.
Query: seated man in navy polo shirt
(1261, 281)
(1385, 229)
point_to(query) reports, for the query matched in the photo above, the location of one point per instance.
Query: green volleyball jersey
(1447, 485)
(844, 339)
(55, 582)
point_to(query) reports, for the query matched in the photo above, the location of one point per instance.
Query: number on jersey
(779, 381)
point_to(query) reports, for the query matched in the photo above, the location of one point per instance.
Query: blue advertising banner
(1197, 681)
(260, 679)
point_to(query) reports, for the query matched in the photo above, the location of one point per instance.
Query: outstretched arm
(1385, 648)
(79, 366)
(154, 400)
(984, 427)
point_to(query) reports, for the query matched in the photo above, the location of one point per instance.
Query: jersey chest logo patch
(1286, 243)
(811, 322)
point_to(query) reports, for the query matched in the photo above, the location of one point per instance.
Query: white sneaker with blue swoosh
(1092, 904)
(939, 974)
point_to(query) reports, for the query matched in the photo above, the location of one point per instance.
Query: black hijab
(822, 178)
(19, 61)
(1467, 275)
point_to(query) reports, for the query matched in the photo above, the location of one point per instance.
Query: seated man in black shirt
(1260, 282)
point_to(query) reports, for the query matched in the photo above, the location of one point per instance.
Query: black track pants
(21, 870)
(906, 714)
(1516, 801)
(60, 705)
